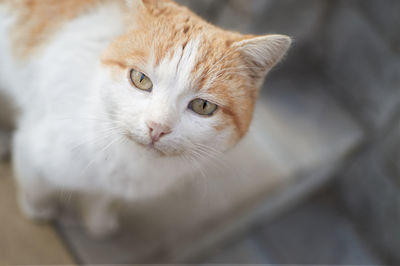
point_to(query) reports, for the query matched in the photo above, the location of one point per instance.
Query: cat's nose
(157, 131)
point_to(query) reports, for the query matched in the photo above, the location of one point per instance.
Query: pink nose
(157, 131)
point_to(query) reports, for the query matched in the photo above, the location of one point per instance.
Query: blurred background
(336, 101)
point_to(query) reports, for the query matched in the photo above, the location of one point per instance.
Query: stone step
(315, 233)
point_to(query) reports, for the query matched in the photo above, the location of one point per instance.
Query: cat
(116, 99)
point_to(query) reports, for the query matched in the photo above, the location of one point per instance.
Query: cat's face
(177, 85)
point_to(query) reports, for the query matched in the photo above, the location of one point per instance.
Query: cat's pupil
(142, 77)
(204, 104)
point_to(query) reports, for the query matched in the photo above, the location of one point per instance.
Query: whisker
(101, 152)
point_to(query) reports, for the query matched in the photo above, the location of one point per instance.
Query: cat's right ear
(264, 52)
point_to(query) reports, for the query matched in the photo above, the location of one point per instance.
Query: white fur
(74, 118)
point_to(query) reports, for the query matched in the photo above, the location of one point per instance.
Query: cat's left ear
(134, 3)
(264, 52)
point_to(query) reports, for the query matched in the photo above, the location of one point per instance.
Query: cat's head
(178, 85)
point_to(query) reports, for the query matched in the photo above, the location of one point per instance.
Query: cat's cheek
(229, 138)
(226, 131)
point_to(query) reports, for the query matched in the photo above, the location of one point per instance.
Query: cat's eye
(203, 107)
(141, 81)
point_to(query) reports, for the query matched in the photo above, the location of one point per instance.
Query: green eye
(141, 81)
(203, 107)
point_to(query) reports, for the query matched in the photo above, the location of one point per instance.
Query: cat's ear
(264, 52)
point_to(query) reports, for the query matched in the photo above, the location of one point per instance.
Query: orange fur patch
(37, 20)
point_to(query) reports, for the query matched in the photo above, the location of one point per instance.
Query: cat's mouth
(151, 147)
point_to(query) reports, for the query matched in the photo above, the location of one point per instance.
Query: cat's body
(81, 126)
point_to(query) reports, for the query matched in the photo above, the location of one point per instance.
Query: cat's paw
(102, 227)
(35, 211)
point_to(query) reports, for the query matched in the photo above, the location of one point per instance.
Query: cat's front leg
(37, 202)
(36, 196)
(100, 216)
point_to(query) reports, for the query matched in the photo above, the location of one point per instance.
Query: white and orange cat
(116, 98)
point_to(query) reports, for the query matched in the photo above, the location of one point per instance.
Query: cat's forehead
(194, 65)
(168, 40)
(176, 68)
(194, 62)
